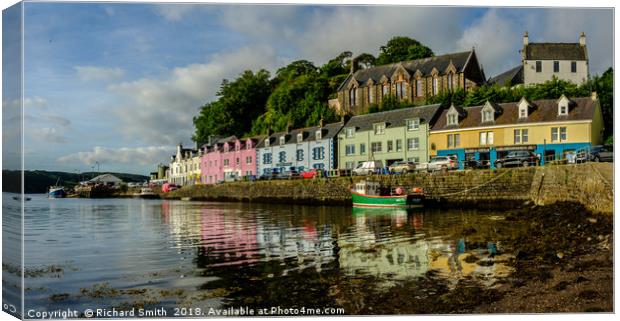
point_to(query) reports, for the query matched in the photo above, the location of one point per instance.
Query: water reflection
(221, 253)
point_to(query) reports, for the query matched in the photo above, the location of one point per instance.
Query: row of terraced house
(549, 128)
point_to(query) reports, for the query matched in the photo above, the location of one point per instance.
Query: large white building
(541, 61)
(185, 166)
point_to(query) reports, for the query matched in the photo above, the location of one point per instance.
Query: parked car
(269, 174)
(289, 173)
(517, 158)
(441, 163)
(367, 168)
(596, 154)
(402, 167)
(477, 163)
(312, 173)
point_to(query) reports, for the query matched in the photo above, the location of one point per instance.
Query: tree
(239, 103)
(402, 49)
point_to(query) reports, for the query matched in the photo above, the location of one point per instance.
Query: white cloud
(92, 73)
(138, 155)
(47, 135)
(174, 11)
(160, 111)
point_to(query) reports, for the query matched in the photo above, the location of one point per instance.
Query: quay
(590, 184)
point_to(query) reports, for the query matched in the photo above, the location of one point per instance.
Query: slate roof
(309, 134)
(541, 111)
(425, 65)
(510, 77)
(394, 118)
(555, 51)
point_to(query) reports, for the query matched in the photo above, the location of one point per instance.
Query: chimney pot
(582, 39)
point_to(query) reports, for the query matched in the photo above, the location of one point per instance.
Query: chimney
(321, 123)
(179, 148)
(594, 96)
(526, 39)
(353, 66)
(344, 118)
(582, 39)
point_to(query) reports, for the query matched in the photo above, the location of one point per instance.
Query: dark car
(477, 163)
(289, 173)
(517, 158)
(596, 154)
(269, 174)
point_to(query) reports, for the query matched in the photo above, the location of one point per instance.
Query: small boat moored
(56, 191)
(146, 192)
(372, 194)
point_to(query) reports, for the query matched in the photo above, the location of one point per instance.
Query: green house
(389, 136)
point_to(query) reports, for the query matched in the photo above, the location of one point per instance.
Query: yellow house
(549, 128)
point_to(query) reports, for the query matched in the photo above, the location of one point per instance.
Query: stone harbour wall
(590, 184)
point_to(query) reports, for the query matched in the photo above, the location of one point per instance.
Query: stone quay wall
(590, 184)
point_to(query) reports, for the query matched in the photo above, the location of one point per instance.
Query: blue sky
(119, 83)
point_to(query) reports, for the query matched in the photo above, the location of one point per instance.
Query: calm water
(104, 253)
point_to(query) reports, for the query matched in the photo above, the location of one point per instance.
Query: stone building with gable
(409, 81)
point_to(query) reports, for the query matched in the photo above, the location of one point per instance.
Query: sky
(118, 83)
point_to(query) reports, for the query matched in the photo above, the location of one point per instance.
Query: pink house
(229, 159)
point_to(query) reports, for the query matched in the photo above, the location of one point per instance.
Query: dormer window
(267, 142)
(453, 119)
(318, 135)
(282, 140)
(563, 106)
(522, 112)
(379, 128)
(300, 137)
(413, 124)
(487, 115)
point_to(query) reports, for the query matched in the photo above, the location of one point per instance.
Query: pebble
(592, 220)
(560, 255)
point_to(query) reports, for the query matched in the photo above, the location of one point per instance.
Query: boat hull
(57, 193)
(401, 201)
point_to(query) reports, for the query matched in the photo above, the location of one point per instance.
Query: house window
(318, 153)
(385, 89)
(282, 140)
(376, 147)
(418, 87)
(563, 110)
(349, 165)
(401, 90)
(399, 145)
(524, 136)
(487, 115)
(390, 146)
(267, 142)
(299, 156)
(248, 160)
(454, 140)
(379, 128)
(452, 119)
(350, 132)
(562, 134)
(226, 162)
(371, 94)
(490, 138)
(349, 149)
(517, 135)
(352, 100)
(237, 161)
(267, 158)
(539, 66)
(554, 134)
(300, 137)
(435, 86)
(413, 124)
(573, 66)
(282, 157)
(556, 66)
(318, 135)
(413, 143)
(483, 138)
(522, 112)
(450, 81)
(362, 149)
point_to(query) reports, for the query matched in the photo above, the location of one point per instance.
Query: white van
(368, 168)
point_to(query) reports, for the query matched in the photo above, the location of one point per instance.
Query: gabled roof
(394, 118)
(555, 51)
(425, 65)
(510, 77)
(543, 111)
(309, 134)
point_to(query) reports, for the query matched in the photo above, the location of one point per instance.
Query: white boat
(146, 192)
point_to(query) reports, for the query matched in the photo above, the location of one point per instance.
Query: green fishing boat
(373, 194)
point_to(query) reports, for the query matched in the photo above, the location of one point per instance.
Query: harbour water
(159, 254)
